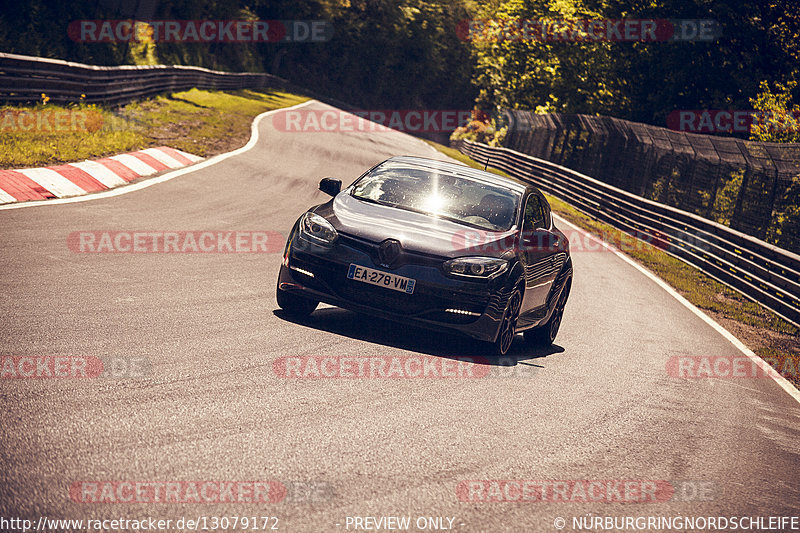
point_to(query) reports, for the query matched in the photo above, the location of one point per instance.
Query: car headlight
(317, 229)
(476, 267)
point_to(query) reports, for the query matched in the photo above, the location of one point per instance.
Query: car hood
(416, 231)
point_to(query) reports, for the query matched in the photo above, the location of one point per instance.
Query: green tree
(778, 120)
(513, 71)
(639, 81)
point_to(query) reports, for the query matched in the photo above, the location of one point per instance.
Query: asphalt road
(598, 406)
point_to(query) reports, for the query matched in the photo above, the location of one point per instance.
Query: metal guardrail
(25, 78)
(762, 272)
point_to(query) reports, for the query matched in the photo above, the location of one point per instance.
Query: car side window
(534, 214)
(547, 214)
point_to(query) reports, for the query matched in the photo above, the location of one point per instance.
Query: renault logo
(389, 251)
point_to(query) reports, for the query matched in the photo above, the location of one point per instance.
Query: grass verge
(204, 123)
(768, 335)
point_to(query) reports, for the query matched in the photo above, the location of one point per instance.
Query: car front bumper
(440, 302)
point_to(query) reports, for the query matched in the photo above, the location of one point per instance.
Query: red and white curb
(75, 179)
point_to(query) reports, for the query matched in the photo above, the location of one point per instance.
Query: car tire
(294, 304)
(505, 337)
(545, 335)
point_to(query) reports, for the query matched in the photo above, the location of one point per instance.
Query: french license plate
(381, 279)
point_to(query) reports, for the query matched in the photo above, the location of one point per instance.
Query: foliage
(481, 128)
(785, 230)
(572, 77)
(639, 81)
(409, 54)
(388, 54)
(779, 120)
(725, 200)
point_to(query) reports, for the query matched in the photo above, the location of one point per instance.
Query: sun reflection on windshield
(434, 203)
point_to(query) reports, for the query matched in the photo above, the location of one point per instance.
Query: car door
(536, 254)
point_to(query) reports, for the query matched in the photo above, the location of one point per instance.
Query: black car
(435, 244)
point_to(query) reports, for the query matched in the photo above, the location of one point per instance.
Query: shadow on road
(415, 339)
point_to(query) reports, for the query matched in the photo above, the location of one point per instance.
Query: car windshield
(457, 198)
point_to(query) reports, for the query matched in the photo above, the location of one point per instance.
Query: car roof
(423, 163)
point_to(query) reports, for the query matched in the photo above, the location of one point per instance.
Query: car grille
(420, 302)
(406, 257)
(426, 301)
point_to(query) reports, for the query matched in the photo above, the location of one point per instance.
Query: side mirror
(330, 186)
